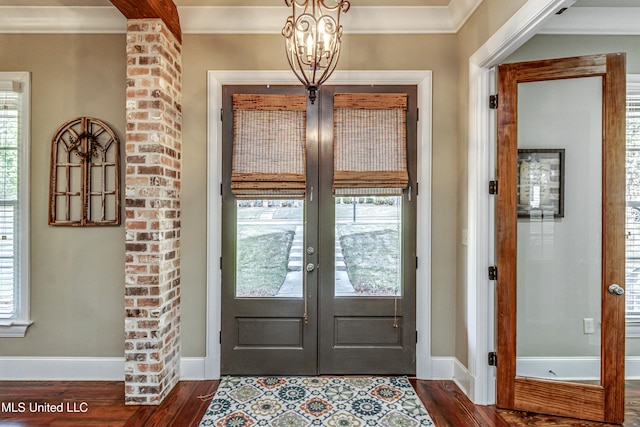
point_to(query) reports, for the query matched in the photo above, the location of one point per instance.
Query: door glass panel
(269, 243)
(559, 239)
(368, 246)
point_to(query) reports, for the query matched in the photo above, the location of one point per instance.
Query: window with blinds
(9, 139)
(633, 202)
(13, 204)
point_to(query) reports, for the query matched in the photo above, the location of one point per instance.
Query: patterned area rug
(316, 401)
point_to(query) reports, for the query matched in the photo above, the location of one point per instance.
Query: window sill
(14, 328)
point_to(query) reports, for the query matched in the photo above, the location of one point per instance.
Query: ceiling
(267, 16)
(610, 17)
(213, 3)
(180, 3)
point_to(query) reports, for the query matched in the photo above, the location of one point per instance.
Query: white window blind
(633, 201)
(14, 204)
(9, 171)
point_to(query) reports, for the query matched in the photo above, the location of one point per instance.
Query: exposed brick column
(152, 223)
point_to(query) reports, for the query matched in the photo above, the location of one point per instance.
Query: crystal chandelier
(312, 40)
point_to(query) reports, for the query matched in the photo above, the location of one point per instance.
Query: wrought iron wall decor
(85, 174)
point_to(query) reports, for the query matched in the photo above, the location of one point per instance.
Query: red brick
(152, 210)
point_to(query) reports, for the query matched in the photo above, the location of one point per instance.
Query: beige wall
(78, 273)
(486, 20)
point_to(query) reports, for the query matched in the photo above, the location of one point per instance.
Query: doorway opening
(318, 268)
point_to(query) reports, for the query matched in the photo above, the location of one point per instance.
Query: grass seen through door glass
(262, 256)
(371, 256)
(367, 236)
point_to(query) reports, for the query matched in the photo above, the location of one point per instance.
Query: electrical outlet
(589, 326)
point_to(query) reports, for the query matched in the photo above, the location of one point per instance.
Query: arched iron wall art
(85, 174)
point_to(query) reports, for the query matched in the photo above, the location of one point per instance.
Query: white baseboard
(442, 368)
(82, 368)
(450, 368)
(559, 368)
(62, 368)
(565, 368)
(194, 368)
(571, 368)
(112, 368)
(462, 377)
(632, 368)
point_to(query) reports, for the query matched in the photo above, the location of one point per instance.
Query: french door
(561, 237)
(316, 278)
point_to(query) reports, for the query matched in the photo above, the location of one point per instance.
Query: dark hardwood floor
(93, 404)
(103, 403)
(449, 407)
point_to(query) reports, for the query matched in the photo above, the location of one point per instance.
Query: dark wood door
(268, 328)
(365, 333)
(555, 187)
(319, 321)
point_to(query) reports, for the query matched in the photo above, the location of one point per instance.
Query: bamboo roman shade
(269, 136)
(370, 144)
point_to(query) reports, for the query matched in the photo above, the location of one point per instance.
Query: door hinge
(416, 263)
(417, 114)
(493, 359)
(493, 272)
(221, 189)
(221, 114)
(493, 102)
(416, 337)
(220, 263)
(220, 337)
(417, 188)
(493, 187)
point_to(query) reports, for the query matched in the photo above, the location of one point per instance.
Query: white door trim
(216, 79)
(481, 169)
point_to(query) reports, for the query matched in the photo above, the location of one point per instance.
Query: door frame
(603, 402)
(215, 81)
(480, 378)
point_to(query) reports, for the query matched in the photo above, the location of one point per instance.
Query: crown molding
(238, 19)
(359, 20)
(61, 19)
(461, 11)
(595, 21)
(269, 19)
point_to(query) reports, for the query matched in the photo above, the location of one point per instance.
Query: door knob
(310, 267)
(616, 289)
